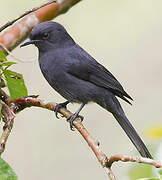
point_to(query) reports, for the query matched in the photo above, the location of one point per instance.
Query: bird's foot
(58, 106)
(72, 118)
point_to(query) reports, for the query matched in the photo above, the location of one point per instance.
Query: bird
(79, 78)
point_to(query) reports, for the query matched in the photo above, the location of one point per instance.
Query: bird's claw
(58, 106)
(72, 118)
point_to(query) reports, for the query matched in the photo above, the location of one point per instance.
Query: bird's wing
(86, 68)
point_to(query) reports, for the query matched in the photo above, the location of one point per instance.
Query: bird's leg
(74, 116)
(60, 105)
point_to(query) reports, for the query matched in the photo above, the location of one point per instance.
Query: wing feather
(88, 69)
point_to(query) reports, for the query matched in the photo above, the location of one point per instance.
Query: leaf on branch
(2, 56)
(7, 64)
(6, 172)
(15, 84)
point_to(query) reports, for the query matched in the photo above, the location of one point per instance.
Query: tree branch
(17, 33)
(122, 158)
(8, 118)
(24, 14)
(22, 103)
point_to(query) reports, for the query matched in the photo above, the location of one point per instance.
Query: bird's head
(49, 35)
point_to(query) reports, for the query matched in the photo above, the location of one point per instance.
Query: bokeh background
(126, 37)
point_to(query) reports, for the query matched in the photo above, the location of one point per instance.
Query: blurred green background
(126, 37)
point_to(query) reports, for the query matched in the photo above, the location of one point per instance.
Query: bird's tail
(108, 101)
(132, 134)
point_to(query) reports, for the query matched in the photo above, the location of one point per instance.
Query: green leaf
(7, 64)
(2, 56)
(15, 84)
(6, 172)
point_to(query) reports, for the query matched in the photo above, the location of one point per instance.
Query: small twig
(122, 158)
(111, 174)
(9, 120)
(4, 97)
(24, 14)
(7, 52)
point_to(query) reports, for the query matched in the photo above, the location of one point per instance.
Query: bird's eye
(45, 35)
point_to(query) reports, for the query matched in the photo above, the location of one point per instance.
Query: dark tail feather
(124, 96)
(132, 134)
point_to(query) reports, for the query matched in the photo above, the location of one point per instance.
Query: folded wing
(86, 68)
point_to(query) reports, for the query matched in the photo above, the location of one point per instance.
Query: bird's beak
(28, 41)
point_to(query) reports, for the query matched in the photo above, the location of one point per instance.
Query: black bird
(79, 78)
